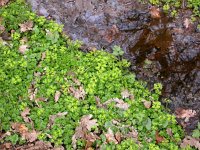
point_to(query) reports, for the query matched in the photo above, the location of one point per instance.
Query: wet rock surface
(160, 50)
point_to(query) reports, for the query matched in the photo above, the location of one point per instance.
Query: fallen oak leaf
(27, 26)
(188, 140)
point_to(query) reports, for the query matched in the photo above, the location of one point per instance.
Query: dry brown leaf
(110, 136)
(2, 28)
(88, 122)
(43, 55)
(169, 132)
(132, 134)
(90, 138)
(118, 136)
(147, 104)
(24, 115)
(24, 40)
(185, 113)
(125, 94)
(191, 142)
(76, 81)
(155, 12)
(53, 117)
(27, 26)
(6, 146)
(3, 2)
(32, 91)
(159, 138)
(78, 93)
(30, 136)
(119, 103)
(20, 128)
(2, 136)
(98, 101)
(187, 23)
(85, 125)
(38, 145)
(57, 96)
(23, 49)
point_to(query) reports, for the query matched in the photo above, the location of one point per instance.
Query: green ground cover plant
(51, 91)
(173, 6)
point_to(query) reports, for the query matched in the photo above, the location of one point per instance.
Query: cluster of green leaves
(100, 73)
(173, 6)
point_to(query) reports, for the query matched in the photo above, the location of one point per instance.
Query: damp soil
(160, 50)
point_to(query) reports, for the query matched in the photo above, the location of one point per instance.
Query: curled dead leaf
(26, 26)
(57, 96)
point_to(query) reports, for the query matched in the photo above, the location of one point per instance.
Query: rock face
(160, 49)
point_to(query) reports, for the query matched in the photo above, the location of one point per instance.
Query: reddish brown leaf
(26, 26)
(159, 138)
